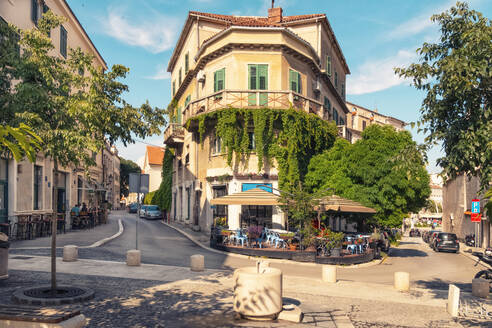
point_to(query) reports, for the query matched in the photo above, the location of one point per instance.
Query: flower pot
(258, 295)
(292, 247)
(335, 252)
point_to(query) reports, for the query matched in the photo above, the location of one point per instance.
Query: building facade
(360, 118)
(153, 166)
(26, 188)
(458, 194)
(221, 61)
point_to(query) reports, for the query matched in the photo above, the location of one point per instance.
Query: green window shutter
(179, 115)
(293, 80)
(328, 65)
(187, 65)
(221, 79)
(252, 84)
(263, 83)
(34, 11)
(336, 79)
(299, 87)
(327, 104)
(187, 100)
(174, 88)
(63, 41)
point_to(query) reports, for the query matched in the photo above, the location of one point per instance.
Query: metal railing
(174, 133)
(251, 99)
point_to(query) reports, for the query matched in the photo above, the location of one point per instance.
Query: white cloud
(422, 22)
(154, 34)
(161, 74)
(377, 75)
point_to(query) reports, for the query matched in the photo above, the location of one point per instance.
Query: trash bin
(4, 256)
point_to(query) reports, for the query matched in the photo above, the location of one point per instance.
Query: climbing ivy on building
(163, 195)
(289, 136)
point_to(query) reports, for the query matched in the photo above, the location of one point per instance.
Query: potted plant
(334, 243)
(254, 233)
(308, 240)
(221, 222)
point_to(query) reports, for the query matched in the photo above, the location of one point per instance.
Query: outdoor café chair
(352, 248)
(240, 237)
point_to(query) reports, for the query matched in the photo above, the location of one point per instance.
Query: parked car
(415, 233)
(152, 212)
(446, 241)
(141, 211)
(133, 208)
(427, 235)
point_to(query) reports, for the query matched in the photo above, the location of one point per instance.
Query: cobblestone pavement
(207, 302)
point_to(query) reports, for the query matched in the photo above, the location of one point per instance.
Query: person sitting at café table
(75, 210)
(84, 208)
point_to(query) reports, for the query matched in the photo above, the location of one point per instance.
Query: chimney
(274, 15)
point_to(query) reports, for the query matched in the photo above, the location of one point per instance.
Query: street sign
(476, 217)
(475, 206)
(139, 183)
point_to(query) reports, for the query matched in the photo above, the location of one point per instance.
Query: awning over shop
(254, 196)
(339, 204)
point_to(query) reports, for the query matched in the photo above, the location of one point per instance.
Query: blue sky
(375, 36)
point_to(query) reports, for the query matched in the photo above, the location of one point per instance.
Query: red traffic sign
(476, 217)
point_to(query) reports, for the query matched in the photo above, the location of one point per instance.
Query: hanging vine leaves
(289, 136)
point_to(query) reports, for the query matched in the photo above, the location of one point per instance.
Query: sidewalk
(83, 238)
(158, 295)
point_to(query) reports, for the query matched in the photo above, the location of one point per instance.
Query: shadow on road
(407, 252)
(442, 285)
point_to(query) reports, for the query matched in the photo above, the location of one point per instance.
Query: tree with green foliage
(163, 195)
(371, 172)
(19, 142)
(74, 114)
(126, 167)
(456, 75)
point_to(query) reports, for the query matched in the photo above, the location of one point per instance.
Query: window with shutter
(187, 57)
(295, 81)
(343, 91)
(34, 11)
(178, 118)
(258, 80)
(180, 77)
(335, 115)
(219, 80)
(336, 79)
(187, 100)
(45, 10)
(328, 65)
(63, 41)
(174, 88)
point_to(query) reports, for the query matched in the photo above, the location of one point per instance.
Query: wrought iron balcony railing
(174, 134)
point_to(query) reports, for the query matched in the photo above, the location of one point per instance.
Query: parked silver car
(152, 212)
(141, 211)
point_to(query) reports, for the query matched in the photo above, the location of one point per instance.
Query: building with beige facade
(26, 188)
(359, 118)
(222, 61)
(152, 166)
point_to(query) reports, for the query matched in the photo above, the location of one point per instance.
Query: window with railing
(258, 80)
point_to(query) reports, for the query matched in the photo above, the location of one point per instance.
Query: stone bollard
(70, 253)
(197, 262)
(133, 257)
(453, 300)
(402, 281)
(329, 273)
(480, 287)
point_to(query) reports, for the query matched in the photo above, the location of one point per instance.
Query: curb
(105, 240)
(96, 244)
(475, 259)
(279, 261)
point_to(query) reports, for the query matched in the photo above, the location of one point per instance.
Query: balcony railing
(174, 134)
(252, 99)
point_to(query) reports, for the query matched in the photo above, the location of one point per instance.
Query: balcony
(174, 134)
(252, 99)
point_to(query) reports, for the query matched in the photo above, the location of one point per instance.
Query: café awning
(254, 196)
(339, 204)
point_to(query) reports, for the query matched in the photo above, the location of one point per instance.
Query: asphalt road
(163, 245)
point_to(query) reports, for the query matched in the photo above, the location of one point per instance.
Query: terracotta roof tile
(255, 21)
(155, 155)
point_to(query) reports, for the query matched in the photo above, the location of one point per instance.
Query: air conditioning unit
(201, 76)
(317, 86)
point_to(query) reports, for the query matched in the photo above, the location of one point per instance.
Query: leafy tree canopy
(126, 167)
(72, 113)
(456, 75)
(372, 172)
